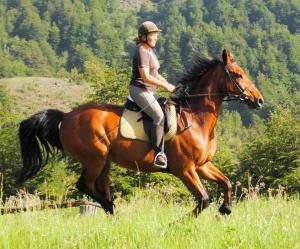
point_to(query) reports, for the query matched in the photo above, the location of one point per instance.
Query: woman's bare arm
(148, 78)
(160, 77)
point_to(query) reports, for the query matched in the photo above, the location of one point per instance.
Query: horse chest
(204, 149)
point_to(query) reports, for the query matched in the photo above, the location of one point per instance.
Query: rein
(231, 97)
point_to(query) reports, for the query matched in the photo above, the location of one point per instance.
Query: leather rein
(231, 97)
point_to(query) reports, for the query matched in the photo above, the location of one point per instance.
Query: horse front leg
(192, 181)
(209, 172)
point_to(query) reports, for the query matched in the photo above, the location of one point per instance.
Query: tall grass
(149, 221)
(1, 189)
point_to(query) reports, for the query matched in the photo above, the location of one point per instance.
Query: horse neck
(207, 108)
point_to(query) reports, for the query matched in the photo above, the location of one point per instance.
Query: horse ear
(228, 57)
(224, 56)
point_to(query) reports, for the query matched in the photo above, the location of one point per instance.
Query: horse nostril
(260, 102)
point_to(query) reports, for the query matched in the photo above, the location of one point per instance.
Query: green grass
(146, 221)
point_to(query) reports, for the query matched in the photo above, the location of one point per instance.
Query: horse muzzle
(259, 103)
(256, 103)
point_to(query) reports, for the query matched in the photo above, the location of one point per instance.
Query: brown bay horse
(90, 135)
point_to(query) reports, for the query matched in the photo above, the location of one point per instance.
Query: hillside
(33, 94)
(52, 38)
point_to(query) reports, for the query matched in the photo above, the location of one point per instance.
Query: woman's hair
(140, 39)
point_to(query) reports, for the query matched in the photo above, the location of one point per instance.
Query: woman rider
(144, 81)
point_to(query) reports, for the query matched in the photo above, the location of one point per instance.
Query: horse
(89, 134)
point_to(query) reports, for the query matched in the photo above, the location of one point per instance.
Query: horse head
(238, 82)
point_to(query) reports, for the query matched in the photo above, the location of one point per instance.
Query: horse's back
(95, 111)
(100, 108)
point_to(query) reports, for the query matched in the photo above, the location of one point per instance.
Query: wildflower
(244, 190)
(262, 185)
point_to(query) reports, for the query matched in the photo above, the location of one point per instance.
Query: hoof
(201, 205)
(108, 206)
(205, 203)
(224, 209)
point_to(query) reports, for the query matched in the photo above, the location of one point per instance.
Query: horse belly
(133, 154)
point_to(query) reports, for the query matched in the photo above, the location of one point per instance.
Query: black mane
(200, 65)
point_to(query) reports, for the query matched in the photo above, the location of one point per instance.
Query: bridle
(230, 97)
(241, 96)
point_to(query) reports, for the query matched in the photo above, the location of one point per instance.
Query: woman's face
(152, 39)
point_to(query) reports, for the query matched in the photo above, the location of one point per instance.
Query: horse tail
(39, 135)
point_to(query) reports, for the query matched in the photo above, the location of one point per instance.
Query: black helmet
(148, 27)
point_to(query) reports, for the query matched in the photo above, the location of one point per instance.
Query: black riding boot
(157, 141)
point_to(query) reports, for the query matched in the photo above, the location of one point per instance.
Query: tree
(275, 156)
(54, 36)
(28, 24)
(79, 55)
(172, 24)
(32, 55)
(110, 84)
(9, 152)
(193, 12)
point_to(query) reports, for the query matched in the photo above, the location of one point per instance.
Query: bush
(275, 156)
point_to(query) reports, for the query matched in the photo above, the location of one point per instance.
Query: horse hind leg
(209, 172)
(102, 185)
(87, 183)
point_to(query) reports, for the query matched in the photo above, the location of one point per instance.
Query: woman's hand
(170, 88)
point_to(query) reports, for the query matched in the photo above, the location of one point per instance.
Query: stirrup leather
(162, 166)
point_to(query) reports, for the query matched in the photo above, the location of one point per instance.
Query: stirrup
(156, 163)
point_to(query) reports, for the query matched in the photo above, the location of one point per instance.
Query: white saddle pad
(131, 128)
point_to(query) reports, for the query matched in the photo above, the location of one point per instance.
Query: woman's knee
(159, 118)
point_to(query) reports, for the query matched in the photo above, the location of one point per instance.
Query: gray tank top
(144, 58)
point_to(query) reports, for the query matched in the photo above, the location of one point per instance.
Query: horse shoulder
(212, 147)
(204, 146)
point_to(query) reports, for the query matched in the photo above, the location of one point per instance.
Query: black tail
(38, 134)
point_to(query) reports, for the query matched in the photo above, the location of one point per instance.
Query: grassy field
(147, 221)
(34, 94)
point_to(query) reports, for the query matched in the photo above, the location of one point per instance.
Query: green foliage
(31, 53)
(78, 56)
(9, 68)
(110, 84)
(49, 37)
(275, 155)
(173, 22)
(28, 24)
(58, 178)
(55, 181)
(9, 149)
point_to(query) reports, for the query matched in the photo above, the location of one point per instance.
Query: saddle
(136, 124)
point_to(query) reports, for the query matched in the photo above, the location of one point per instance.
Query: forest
(93, 41)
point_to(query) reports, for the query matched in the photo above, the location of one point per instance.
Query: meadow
(147, 220)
